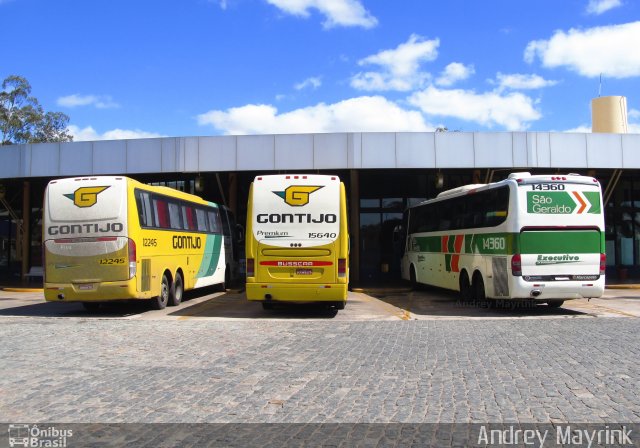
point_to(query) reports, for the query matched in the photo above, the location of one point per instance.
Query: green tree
(22, 118)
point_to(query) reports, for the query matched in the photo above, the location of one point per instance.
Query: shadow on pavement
(431, 301)
(234, 304)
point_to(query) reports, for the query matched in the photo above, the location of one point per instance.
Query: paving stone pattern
(128, 371)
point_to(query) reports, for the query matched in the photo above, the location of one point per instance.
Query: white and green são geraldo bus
(526, 237)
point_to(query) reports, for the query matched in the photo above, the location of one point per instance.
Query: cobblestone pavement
(80, 369)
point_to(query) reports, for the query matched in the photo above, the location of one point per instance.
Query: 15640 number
(322, 235)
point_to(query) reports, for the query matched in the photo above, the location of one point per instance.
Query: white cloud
(313, 83)
(598, 7)
(400, 66)
(88, 133)
(337, 12)
(518, 81)
(453, 73)
(76, 100)
(606, 50)
(361, 114)
(581, 128)
(634, 114)
(513, 111)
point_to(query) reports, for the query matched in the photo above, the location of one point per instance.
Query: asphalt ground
(396, 367)
(364, 304)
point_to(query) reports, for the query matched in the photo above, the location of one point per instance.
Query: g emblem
(297, 195)
(86, 196)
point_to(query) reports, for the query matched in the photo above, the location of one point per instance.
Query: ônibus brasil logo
(86, 196)
(297, 195)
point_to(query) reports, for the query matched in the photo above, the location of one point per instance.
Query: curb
(23, 289)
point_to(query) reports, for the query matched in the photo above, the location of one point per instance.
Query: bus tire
(91, 307)
(478, 288)
(176, 291)
(227, 275)
(339, 305)
(555, 303)
(466, 293)
(413, 280)
(160, 302)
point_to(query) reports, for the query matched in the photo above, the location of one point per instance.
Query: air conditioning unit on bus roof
(519, 175)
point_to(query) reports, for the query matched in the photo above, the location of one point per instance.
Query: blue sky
(146, 68)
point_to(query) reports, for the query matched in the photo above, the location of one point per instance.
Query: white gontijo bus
(526, 237)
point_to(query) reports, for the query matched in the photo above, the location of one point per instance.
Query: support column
(26, 232)
(354, 226)
(233, 193)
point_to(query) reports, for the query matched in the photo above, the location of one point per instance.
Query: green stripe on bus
(480, 243)
(594, 198)
(211, 255)
(559, 242)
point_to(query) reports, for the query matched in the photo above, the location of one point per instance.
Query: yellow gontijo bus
(110, 238)
(297, 241)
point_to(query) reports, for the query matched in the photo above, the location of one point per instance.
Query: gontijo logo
(297, 195)
(86, 196)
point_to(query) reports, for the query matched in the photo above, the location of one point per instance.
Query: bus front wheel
(176, 291)
(160, 302)
(412, 278)
(465, 287)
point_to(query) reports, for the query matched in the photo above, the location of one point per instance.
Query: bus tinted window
(188, 219)
(484, 209)
(214, 221)
(174, 216)
(202, 220)
(145, 212)
(161, 213)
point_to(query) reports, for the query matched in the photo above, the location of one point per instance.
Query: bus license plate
(85, 287)
(304, 271)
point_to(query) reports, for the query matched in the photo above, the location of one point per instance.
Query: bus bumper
(90, 292)
(296, 293)
(549, 290)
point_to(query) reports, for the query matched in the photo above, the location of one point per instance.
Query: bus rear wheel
(339, 305)
(176, 291)
(478, 288)
(160, 302)
(555, 303)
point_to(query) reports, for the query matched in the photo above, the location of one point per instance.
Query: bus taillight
(516, 265)
(131, 246)
(342, 267)
(603, 263)
(250, 267)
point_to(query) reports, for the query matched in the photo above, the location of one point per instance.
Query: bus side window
(174, 216)
(214, 221)
(143, 202)
(161, 213)
(187, 218)
(201, 217)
